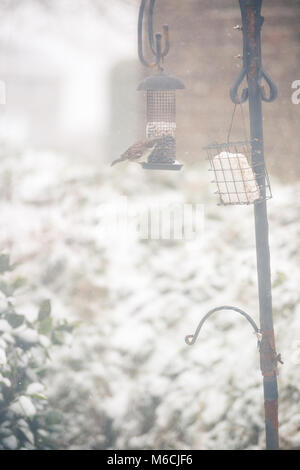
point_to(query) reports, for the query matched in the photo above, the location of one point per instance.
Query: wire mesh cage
(161, 120)
(237, 179)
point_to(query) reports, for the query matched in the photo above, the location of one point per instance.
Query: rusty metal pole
(254, 73)
(252, 24)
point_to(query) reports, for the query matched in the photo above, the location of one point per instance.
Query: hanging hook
(235, 89)
(252, 25)
(155, 45)
(191, 339)
(273, 92)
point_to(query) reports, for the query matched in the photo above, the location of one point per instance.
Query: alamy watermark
(2, 92)
(151, 221)
(296, 93)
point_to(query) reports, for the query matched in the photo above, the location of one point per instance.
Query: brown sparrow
(139, 151)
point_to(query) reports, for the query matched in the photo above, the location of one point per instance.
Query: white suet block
(235, 178)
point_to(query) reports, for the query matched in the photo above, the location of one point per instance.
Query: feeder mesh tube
(161, 122)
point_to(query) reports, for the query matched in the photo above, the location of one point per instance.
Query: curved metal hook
(191, 339)
(150, 32)
(235, 88)
(155, 46)
(167, 40)
(273, 92)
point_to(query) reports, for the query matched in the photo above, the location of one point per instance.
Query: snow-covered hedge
(26, 341)
(129, 380)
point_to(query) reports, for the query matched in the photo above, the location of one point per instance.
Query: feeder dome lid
(161, 82)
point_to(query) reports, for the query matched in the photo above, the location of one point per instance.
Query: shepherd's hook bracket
(269, 357)
(191, 339)
(155, 46)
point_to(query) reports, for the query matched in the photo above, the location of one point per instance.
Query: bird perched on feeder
(139, 151)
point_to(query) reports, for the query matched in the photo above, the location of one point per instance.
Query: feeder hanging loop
(155, 45)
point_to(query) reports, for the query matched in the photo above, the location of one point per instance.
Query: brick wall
(203, 50)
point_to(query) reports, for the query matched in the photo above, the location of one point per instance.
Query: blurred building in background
(64, 77)
(71, 70)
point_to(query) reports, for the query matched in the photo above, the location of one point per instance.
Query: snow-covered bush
(129, 381)
(26, 421)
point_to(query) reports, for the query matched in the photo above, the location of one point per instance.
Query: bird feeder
(160, 91)
(237, 179)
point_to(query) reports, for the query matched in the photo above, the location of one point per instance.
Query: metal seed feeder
(160, 91)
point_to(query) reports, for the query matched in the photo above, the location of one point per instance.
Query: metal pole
(252, 24)
(254, 72)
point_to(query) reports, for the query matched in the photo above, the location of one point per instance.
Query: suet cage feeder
(238, 181)
(160, 91)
